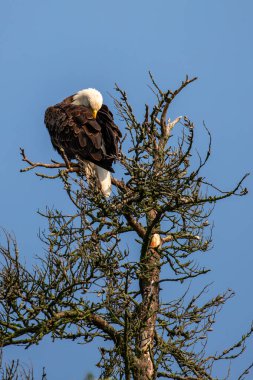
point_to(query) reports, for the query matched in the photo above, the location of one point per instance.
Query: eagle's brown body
(74, 129)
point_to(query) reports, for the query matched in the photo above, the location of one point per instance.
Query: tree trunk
(147, 315)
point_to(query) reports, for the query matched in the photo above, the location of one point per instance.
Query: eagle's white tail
(104, 180)
(103, 177)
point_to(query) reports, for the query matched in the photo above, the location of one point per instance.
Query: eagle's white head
(90, 97)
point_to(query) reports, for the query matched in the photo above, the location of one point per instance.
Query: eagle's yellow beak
(94, 113)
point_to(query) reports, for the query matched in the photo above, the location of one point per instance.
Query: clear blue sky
(50, 49)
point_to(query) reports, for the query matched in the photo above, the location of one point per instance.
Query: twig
(73, 167)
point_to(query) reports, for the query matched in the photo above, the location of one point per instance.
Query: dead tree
(107, 262)
(17, 371)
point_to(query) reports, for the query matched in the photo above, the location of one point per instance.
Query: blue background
(51, 49)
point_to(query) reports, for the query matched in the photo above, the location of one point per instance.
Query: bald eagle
(82, 128)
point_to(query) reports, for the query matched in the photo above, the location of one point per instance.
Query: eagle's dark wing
(110, 131)
(73, 128)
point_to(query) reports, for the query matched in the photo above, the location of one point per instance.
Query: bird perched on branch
(81, 127)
